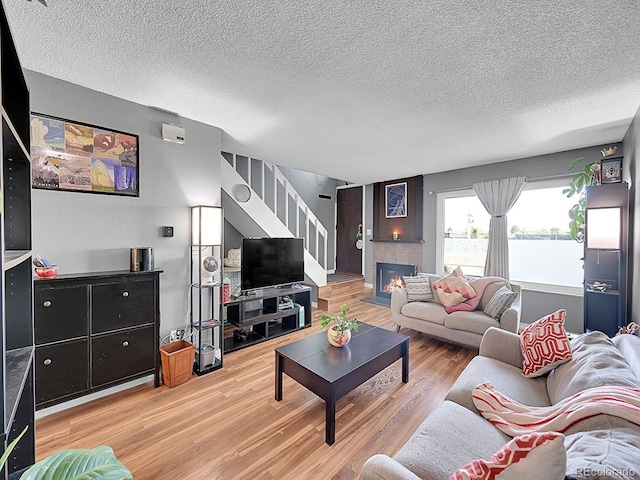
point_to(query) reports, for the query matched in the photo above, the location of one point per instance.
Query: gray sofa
(454, 434)
(464, 328)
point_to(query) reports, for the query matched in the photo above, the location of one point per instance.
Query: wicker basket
(177, 362)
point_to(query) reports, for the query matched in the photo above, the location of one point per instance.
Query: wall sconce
(206, 225)
(604, 228)
(395, 235)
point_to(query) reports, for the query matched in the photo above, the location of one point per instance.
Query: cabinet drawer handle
(125, 294)
(125, 343)
(47, 303)
(47, 361)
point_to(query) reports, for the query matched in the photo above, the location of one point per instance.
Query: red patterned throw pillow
(545, 345)
(527, 457)
(453, 289)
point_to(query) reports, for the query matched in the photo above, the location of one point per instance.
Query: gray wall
(534, 304)
(309, 186)
(84, 232)
(631, 143)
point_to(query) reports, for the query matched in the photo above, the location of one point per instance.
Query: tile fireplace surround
(392, 251)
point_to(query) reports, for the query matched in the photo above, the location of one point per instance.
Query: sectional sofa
(454, 434)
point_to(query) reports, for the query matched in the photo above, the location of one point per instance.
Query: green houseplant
(98, 463)
(588, 175)
(339, 333)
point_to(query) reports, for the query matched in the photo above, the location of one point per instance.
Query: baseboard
(368, 285)
(91, 397)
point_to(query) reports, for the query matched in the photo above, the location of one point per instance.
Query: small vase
(337, 338)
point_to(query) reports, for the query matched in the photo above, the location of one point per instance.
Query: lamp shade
(206, 225)
(604, 228)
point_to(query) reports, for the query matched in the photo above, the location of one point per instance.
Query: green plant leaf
(98, 463)
(575, 162)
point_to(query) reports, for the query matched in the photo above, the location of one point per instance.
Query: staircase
(334, 294)
(278, 213)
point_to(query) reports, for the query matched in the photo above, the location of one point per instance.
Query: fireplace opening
(389, 277)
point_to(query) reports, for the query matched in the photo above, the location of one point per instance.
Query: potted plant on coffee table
(339, 334)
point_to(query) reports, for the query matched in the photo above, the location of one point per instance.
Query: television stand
(261, 316)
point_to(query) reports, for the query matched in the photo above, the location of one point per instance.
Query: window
(541, 251)
(466, 226)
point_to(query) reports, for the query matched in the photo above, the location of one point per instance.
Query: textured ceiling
(363, 90)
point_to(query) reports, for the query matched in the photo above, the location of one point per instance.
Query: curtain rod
(529, 180)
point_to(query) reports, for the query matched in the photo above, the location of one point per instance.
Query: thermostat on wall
(173, 133)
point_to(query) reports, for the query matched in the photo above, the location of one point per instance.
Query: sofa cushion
(506, 378)
(418, 288)
(474, 321)
(545, 345)
(490, 291)
(526, 457)
(629, 347)
(596, 362)
(432, 279)
(604, 454)
(500, 301)
(439, 446)
(453, 289)
(428, 311)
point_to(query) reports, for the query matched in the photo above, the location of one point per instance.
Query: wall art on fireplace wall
(396, 200)
(74, 156)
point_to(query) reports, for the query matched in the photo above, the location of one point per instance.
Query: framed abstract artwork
(77, 157)
(396, 200)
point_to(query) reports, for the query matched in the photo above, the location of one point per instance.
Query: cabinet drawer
(60, 313)
(118, 355)
(121, 305)
(61, 370)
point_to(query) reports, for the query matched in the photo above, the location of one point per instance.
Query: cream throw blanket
(515, 419)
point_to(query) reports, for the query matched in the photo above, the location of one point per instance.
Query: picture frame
(611, 170)
(396, 200)
(72, 156)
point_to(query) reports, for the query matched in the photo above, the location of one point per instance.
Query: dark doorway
(348, 223)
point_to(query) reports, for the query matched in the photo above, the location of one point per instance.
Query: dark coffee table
(332, 372)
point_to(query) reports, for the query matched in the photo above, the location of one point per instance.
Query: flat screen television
(270, 262)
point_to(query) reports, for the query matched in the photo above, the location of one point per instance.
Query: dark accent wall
(409, 227)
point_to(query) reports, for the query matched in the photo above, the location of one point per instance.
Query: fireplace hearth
(389, 277)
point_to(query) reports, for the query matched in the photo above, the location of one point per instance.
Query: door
(348, 224)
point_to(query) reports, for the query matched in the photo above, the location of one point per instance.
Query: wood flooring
(227, 424)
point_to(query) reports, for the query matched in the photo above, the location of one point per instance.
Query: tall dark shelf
(17, 359)
(207, 275)
(606, 310)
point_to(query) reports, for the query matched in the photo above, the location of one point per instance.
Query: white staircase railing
(270, 217)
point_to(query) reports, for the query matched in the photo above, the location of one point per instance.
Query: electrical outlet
(180, 334)
(173, 336)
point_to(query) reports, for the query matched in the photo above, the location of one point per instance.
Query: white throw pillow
(233, 258)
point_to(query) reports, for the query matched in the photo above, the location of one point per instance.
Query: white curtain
(498, 196)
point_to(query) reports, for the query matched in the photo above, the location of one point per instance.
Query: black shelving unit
(266, 314)
(606, 310)
(206, 310)
(17, 359)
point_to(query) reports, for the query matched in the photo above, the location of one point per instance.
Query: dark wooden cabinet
(123, 354)
(63, 370)
(94, 331)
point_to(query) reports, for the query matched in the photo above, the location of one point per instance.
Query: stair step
(335, 294)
